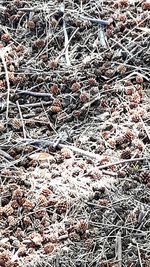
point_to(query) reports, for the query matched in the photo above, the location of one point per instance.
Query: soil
(74, 133)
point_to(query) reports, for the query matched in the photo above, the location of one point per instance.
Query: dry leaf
(41, 156)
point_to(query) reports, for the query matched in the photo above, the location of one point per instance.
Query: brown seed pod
(135, 117)
(2, 87)
(145, 176)
(27, 204)
(2, 127)
(12, 221)
(16, 123)
(1, 211)
(20, 48)
(57, 102)
(49, 248)
(112, 142)
(74, 237)
(61, 206)
(66, 153)
(6, 37)
(52, 202)
(84, 97)
(92, 81)
(17, 194)
(146, 5)
(81, 227)
(27, 221)
(22, 251)
(133, 105)
(109, 73)
(75, 87)
(129, 90)
(53, 64)
(103, 202)
(95, 173)
(121, 69)
(126, 154)
(54, 89)
(121, 174)
(40, 43)
(55, 109)
(42, 201)
(47, 192)
(30, 24)
(123, 3)
(136, 97)
(138, 144)
(139, 79)
(122, 17)
(8, 210)
(129, 135)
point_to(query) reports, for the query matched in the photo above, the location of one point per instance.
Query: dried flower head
(27, 221)
(1, 211)
(92, 81)
(42, 201)
(66, 153)
(135, 117)
(103, 202)
(75, 87)
(145, 177)
(55, 109)
(126, 154)
(84, 97)
(40, 43)
(6, 37)
(49, 248)
(146, 5)
(95, 173)
(136, 97)
(17, 194)
(57, 102)
(46, 191)
(54, 89)
(81, 227)
(27, 204)
(8, 210)
(2, 127)
(129, 90)
(123, 3)
(16, 123)
(61, 206)
(11, 221)
(121, 69)
(53, 64)
(129, 135)
(139, 79)
(2, 86)
(74, 237)
(31, 24)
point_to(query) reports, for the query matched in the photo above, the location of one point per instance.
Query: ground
(74, 133)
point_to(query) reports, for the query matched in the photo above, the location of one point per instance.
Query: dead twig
(36, 94)
(122, 162)
(21, 117)
(119, 248)
(3, 52)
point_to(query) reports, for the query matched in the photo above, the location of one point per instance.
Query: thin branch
(66, 44)
(36, 94)
(3, 51)
(122, 162)
(21, 117)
